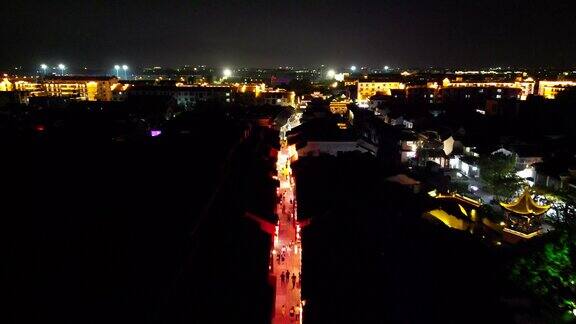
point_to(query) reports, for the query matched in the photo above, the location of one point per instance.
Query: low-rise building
(550, 89)
(81, 87)
(324, 136)
(367, 89)
(339, 107)
(486, 87)
(277, 97)
(186, 96)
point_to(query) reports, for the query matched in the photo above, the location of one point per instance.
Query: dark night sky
(98, 33)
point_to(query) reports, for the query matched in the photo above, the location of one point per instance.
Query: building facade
(186, 96)
(82, 87)
(367, 89)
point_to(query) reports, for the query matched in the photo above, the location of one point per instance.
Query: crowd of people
(294, 312)
(285, 279)
(287, 253)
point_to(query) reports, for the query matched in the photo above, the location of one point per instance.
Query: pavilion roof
(525, 205)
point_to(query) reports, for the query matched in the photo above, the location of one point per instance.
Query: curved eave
(525, 205)
(515, 208)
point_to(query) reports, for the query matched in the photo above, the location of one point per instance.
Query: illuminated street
(287, 243)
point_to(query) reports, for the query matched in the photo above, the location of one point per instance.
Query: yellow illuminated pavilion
(524, 215)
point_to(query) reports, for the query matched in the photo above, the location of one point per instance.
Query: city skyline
(305, 161)
(219, 33)
(55, 68)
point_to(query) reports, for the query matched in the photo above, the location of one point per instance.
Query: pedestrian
(297, 312)
(282, 277)
(283, 259)
(293, 280)
(299, 279)
(292, 312)
(283, 310)
(287, 275)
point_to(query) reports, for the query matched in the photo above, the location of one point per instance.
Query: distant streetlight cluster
(124, 68)
(60, 66)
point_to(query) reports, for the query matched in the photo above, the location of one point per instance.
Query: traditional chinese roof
(525, 205)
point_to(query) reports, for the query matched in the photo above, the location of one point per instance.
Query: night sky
(408, 33)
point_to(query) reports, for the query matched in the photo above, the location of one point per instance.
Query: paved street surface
(287, 243)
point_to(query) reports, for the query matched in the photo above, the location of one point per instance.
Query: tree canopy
(497, 171)
(549, 273)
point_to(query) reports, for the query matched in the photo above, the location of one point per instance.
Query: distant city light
(353, 68)
(117, 68)
(331, 74)
(155, 132)
(227, 73)
(386, 68)
(44, 67)
(62, 67)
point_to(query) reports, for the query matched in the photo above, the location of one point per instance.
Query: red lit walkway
(287, 240)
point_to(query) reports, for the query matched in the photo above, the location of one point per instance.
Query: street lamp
(331, 74)
(62, 67)
(44, 67)
(117, 68)
(353, 68)
(227, 73)
(125, 68)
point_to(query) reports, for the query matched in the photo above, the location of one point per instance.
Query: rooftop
(79, 78)
(323, 130)
(525, 205)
